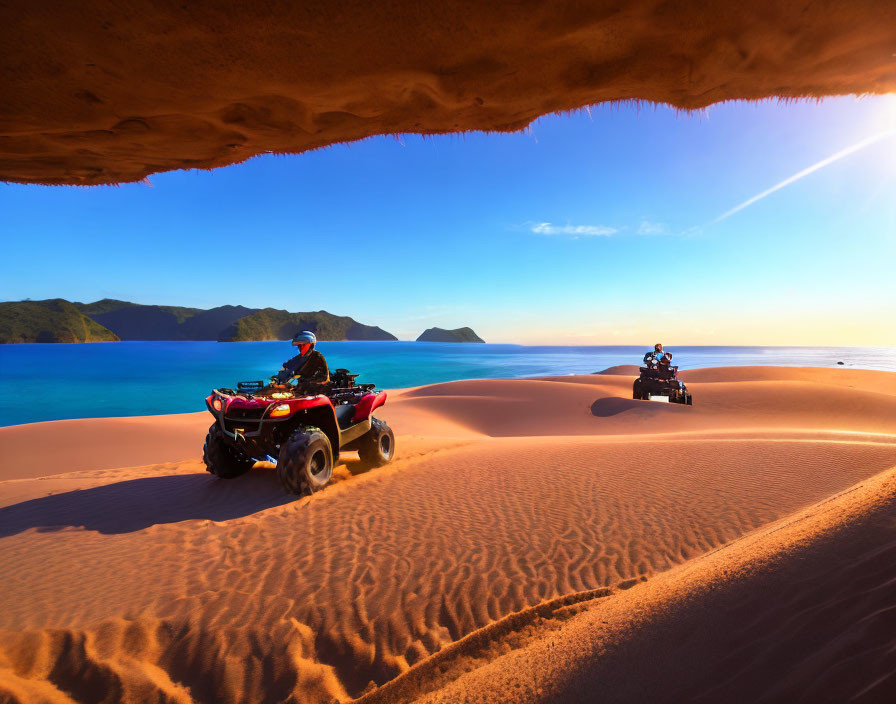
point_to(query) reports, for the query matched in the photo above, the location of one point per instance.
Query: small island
(442, 335)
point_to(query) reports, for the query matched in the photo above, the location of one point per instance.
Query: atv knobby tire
(377, 446)
(221, 458)
(306, 460)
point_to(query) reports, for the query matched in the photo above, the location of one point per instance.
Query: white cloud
(644, 227)
(546, 228)
(651, 228)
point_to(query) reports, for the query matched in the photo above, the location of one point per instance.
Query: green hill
(59, 320)
(442, 335)
(134, 321)
(275, 324)
(54, 320)
(110, 305)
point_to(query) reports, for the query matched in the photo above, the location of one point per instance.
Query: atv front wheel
(377, 446)
(221, 458)
(306, 460)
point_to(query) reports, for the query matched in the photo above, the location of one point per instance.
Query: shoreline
(628, 370)
(119, 441)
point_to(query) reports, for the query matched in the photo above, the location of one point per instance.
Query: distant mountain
(132, 321)
(275, 324)
(442, 335)
(59, 320)
(54, 320)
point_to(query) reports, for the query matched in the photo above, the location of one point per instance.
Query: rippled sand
(517, 512)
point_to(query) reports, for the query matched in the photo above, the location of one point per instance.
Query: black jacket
(312, 368)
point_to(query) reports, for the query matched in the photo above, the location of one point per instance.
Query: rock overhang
(99, 92)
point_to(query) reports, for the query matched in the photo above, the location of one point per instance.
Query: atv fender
(367, 405)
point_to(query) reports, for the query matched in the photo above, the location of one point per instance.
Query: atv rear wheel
(306, 460)
(377, 446)
(221, 457)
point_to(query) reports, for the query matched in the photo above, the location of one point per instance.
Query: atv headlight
(217, 405)
(279, 411)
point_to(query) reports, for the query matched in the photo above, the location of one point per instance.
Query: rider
(309, 365)
(652, 358)
(664, 364)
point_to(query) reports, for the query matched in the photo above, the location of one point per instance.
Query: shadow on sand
(136, 504)
(613, 406)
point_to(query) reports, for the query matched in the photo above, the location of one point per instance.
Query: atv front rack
(342, 389)
(249, 387)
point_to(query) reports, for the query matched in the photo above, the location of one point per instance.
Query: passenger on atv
(652, 358)
(309, 366)
(665, 368)
(659, 363)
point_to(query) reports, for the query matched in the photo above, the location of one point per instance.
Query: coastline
(55, 382)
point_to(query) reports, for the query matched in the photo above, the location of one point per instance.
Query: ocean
(94, 380)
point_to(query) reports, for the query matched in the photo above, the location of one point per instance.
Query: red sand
(511, 505)
(100, 92)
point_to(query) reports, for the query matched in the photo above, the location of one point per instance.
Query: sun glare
(887, 124)
(889, 105)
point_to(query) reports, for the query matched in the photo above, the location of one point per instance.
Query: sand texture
(535, 540)
(99, 92)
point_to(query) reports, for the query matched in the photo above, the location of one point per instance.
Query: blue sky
(597, 227)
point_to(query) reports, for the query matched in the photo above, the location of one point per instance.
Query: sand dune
(40, 449)
(512, 506)
(732, 398)
(800, 610)
(110, 92)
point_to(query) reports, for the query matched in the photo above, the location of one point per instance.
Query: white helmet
(305, 337)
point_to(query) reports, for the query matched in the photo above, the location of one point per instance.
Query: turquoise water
(50, 382)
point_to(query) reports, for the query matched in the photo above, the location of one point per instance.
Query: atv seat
(649, 373)
(667, 372)
(344, 415)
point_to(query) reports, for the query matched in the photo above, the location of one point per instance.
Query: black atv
(660, 382)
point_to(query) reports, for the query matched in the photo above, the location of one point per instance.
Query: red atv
(303, 433)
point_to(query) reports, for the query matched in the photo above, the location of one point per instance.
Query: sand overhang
(99, 92)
